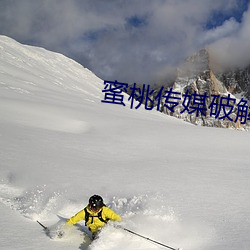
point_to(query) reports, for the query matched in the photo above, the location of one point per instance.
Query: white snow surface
(182, 185)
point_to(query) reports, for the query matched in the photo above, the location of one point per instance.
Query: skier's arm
(77, 217)
(110, 214)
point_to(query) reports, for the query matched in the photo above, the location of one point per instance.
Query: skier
(95, 214)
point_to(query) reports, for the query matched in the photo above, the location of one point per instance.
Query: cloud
(232, 50)
(131, 41)
(228, 28)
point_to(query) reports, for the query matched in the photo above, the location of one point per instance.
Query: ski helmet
(95, 202)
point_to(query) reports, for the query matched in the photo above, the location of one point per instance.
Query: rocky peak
(197, 71)
(196, 64)
(198, 75)
(207, 87)
(237, 81)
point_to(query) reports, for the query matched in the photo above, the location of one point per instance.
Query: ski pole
(45, 228)
(146, 238)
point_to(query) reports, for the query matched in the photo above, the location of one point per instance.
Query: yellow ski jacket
(94, 223)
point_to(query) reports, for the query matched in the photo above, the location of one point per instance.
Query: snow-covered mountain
(237, 81)
(182, 185)
(199, 75)
(202, 93)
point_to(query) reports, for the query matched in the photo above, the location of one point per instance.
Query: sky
(134, 40)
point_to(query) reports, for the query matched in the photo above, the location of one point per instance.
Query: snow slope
(182, 185)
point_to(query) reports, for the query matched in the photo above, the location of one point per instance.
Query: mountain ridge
(198, 75)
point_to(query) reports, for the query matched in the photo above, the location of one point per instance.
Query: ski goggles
(94, 208)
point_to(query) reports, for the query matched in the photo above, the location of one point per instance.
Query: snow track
(33, 204)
